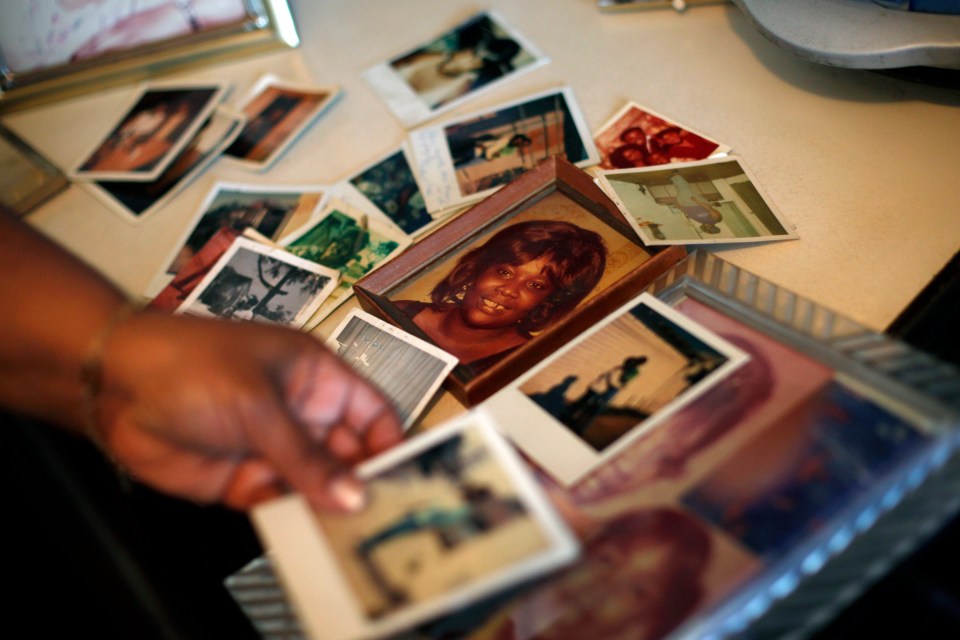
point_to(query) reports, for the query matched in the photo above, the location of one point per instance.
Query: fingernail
(348, 492)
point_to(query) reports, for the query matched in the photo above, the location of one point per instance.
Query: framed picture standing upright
(51, 50)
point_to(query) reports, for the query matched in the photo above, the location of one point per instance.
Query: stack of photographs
(172, 133)
(164, 140)
(272, 211)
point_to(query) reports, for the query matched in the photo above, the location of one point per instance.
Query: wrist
(91, 374)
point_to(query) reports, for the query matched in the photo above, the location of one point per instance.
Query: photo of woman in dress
(498, 295)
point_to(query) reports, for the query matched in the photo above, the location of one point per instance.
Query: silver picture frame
(267, 25)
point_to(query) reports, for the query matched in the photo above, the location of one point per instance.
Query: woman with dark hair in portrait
(524, 278)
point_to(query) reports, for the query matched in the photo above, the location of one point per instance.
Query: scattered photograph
(637, 137)
(408, 370)
(464, 160)
(452, 516)
(391, 186)
(272, 211)
(149, 137)
(277, 113)
(759, 395)
(838, 445)
(438, 75)
(714, 201)
(345, 239)
(252, 281)
(136, 201)
(587, 402)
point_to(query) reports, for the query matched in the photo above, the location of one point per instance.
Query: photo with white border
(460, 161)
(162, 120)
(137, 201)
(408, 370)
(478, 54)
(278, 113)
(252, 281)
(271, 210)
(636, 136)
(587, 402)
(713, 201)
(346, 239)
(348, 574)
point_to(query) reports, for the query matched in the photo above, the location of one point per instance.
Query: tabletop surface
(863, 164)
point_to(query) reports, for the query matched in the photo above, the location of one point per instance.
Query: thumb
(303, 464)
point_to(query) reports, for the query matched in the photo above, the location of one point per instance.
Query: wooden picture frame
(554, 190)
(265, 25)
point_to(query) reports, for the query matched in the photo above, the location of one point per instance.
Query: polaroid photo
(588, 401)
(345, 239)
(453, 516)
(253, 281)
(436, 76)
(408, 370)
(390, 185)
(137, 201)
(151, 134)
(278, 112)
(458, 162)
(713, 201)
(638, 137)
(273, 211)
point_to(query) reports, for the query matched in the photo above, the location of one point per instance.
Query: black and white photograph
(252, 281)
(408, 370)
(137, 201)
(150, 135)
(713, 201)
(452, 516)
(636, 367)
(273, 211)
(440, 74)
(463, 160)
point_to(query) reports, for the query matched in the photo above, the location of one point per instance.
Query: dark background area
(90, 555)
(921, 596)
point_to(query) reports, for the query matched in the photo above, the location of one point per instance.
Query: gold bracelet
(91, 380)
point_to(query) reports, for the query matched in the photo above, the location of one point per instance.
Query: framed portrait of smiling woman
(514, 278)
